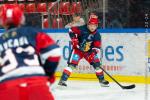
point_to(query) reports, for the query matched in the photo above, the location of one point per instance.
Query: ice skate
(104, 83)
(62, 83)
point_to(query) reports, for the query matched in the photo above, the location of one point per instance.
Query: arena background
(124, 26)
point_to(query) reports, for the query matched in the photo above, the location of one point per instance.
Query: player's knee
(95, 64)
(68, 70)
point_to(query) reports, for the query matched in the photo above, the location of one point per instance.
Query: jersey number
(10, 57)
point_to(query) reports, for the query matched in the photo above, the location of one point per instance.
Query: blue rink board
(127, 30)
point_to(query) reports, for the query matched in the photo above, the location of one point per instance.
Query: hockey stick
(123, 87)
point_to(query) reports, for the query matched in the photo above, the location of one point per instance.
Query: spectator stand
(117, 13)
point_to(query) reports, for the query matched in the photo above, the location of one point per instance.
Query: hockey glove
(75, 43)
(91, 57)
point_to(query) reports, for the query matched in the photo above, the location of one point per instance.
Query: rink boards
(125, 55)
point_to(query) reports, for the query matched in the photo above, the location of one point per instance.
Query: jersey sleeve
(97, 42)
(49, 52)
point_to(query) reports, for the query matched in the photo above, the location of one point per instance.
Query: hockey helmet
(93, 19)
(11, 14)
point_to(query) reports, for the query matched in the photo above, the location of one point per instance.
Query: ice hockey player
(28, 58)
(86, 43)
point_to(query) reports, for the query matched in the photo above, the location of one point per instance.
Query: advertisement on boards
(122, 53)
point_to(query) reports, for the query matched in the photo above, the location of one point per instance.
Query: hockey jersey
(87, 40)
(25, 52)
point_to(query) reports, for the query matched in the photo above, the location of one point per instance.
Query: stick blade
(129, 87)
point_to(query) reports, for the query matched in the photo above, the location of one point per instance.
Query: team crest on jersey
(87, 46)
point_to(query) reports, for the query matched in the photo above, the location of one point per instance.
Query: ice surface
(87, 90)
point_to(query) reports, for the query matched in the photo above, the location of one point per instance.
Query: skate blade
(61, 87)
(103, 85)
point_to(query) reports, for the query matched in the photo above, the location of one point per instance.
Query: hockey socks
(100, 76)
(66, 73)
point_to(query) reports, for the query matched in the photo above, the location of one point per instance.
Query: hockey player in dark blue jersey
(28, 58)
(86, 43)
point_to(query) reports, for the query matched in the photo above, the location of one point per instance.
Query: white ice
(87, 90)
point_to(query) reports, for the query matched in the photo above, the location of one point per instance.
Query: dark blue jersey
(24, 51)
(87, 40)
